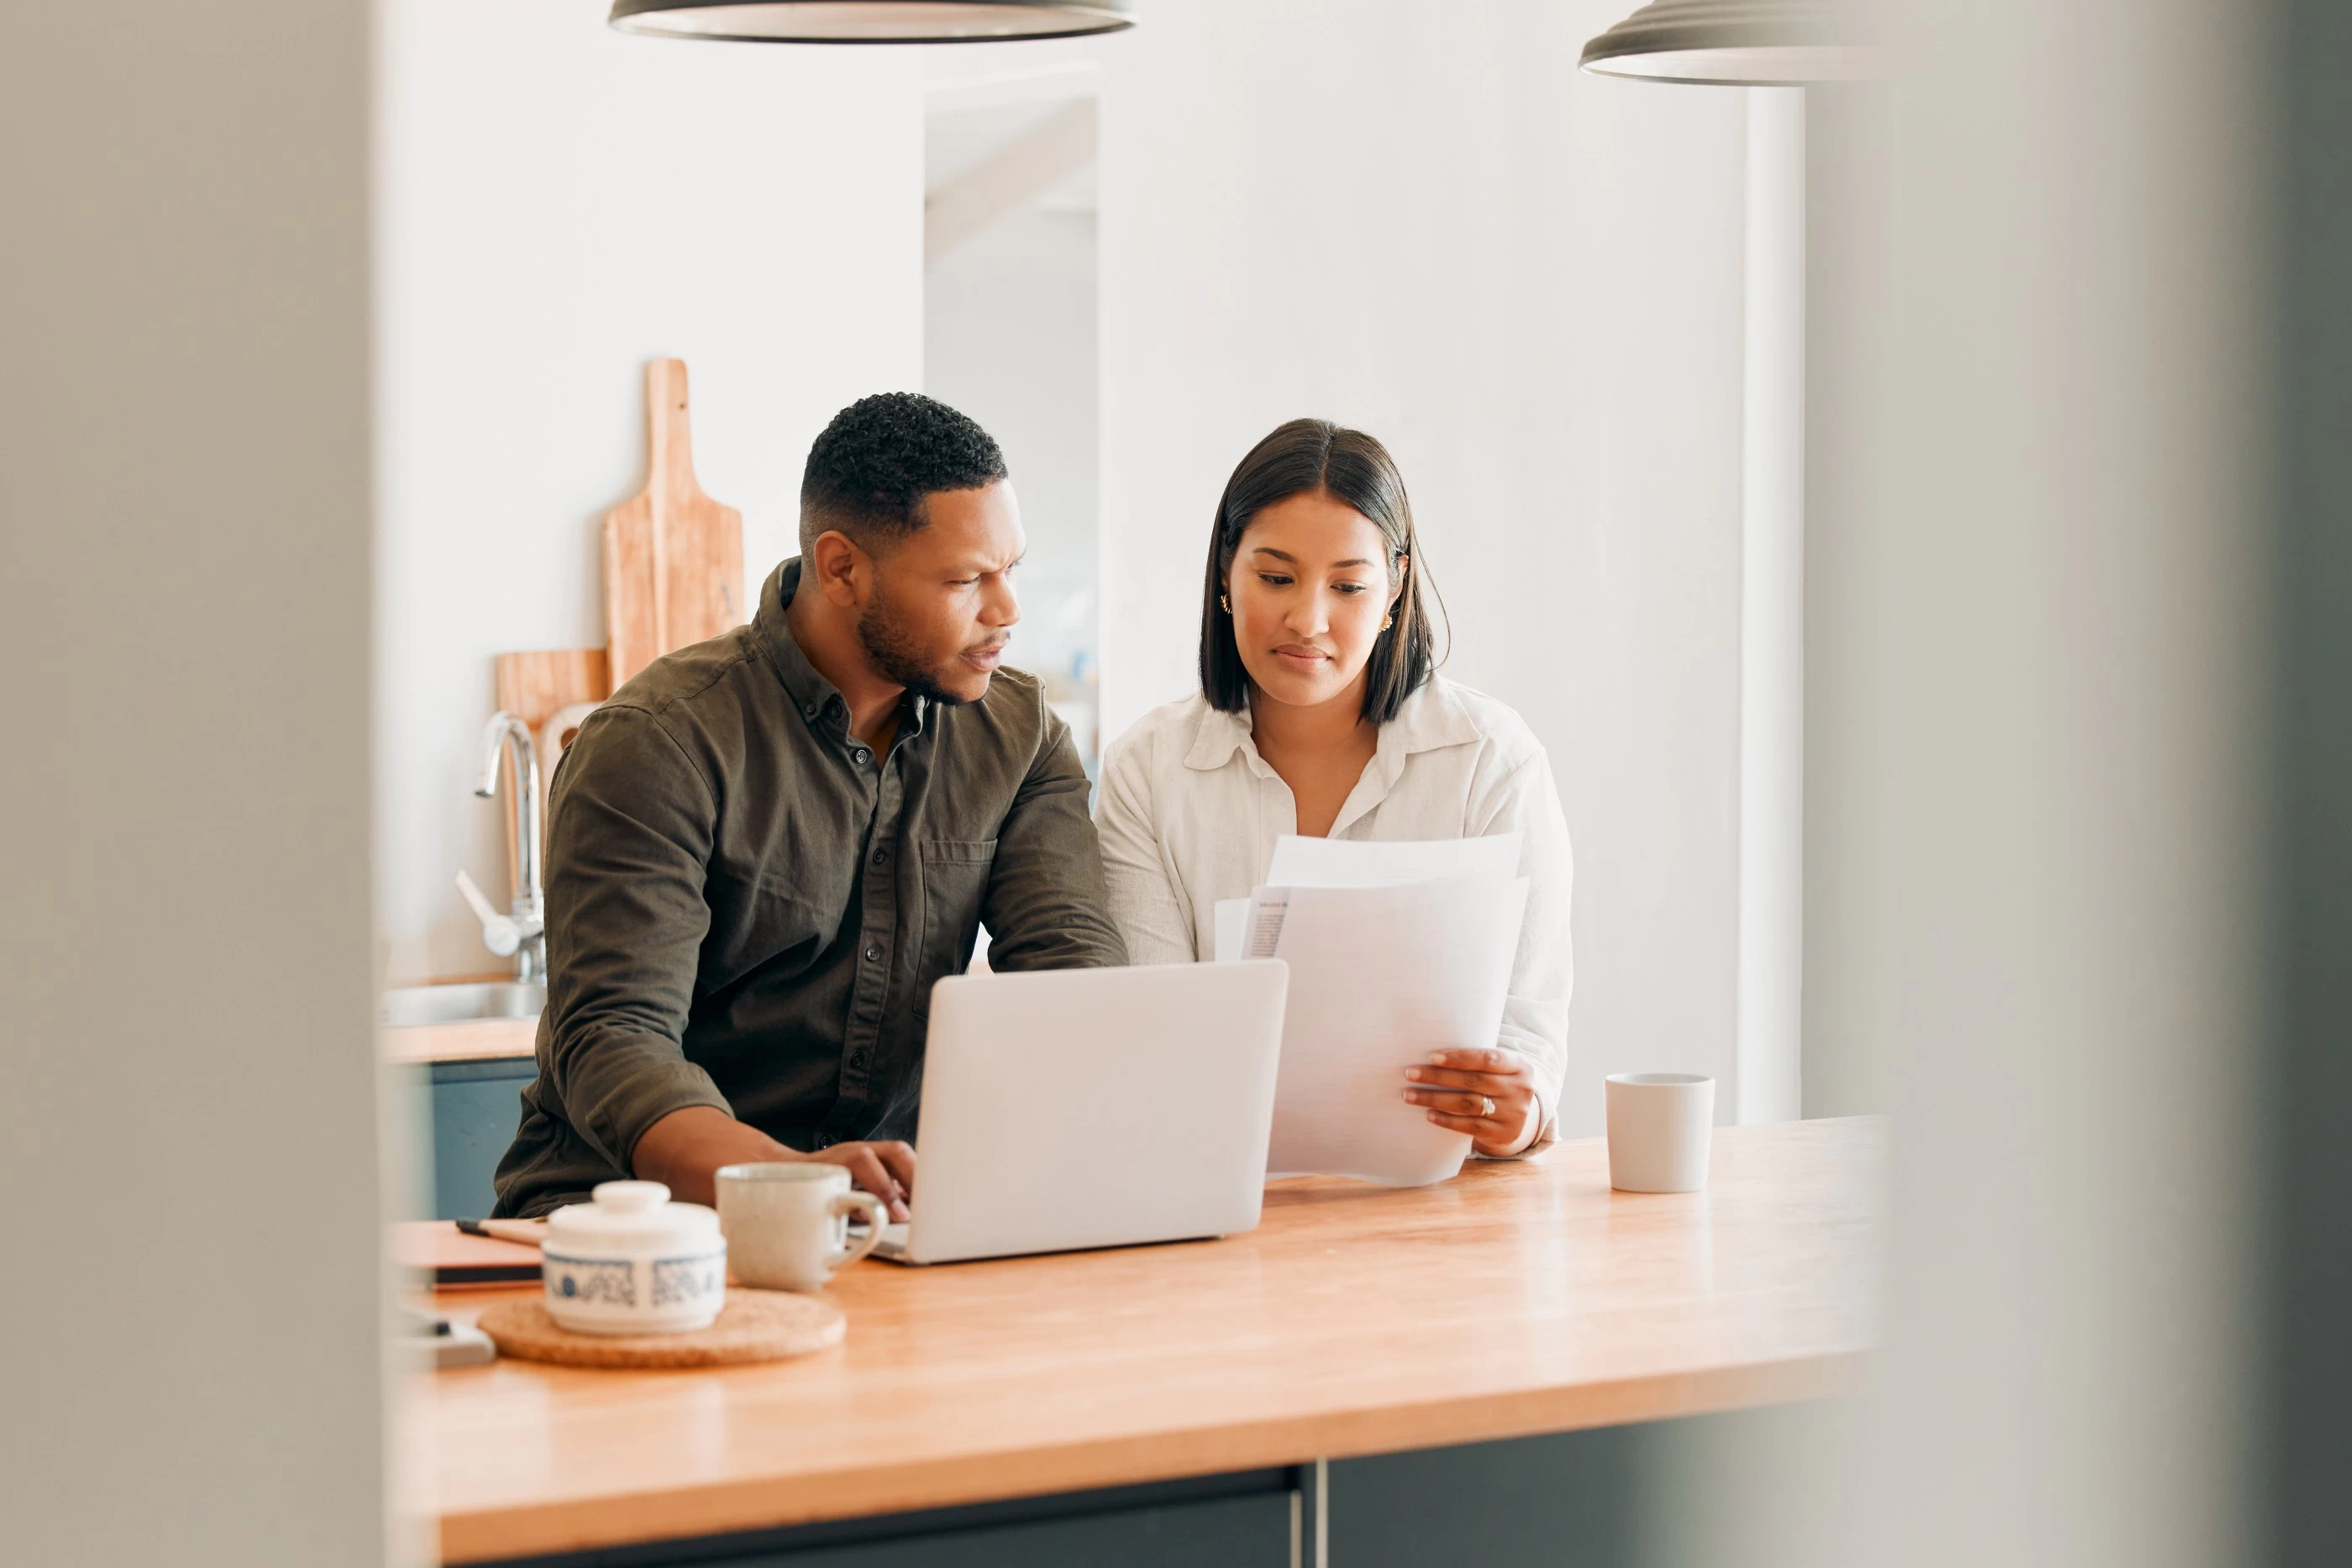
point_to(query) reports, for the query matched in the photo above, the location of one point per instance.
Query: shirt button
(857, 1058)
(824, 1140)
(809, 710)
(881, 855)
(873, 952)
(863, 755)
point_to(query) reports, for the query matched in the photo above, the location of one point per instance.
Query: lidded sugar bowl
(632, 1262)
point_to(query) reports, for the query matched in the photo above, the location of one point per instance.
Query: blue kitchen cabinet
(475, 1107)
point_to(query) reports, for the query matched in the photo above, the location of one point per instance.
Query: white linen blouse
(1187, 812)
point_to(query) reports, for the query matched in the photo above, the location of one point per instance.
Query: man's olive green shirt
(747, 908)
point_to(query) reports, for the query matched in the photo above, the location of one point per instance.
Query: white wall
(1527, 282)
(559, 203)
(190, 1350)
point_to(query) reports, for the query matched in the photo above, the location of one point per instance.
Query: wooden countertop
(474, 1039)
(1522, 1297)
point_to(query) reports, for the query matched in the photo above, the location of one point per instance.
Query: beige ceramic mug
(787, 1224)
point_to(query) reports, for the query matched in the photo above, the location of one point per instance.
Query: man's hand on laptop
(884, 1169)
(685, 1149)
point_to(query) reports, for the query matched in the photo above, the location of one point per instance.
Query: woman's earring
(1388, 621)
(1224, 604)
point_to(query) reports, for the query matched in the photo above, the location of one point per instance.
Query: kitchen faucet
(524, 934)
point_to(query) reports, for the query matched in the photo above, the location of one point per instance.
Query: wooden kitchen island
(1175, 1403)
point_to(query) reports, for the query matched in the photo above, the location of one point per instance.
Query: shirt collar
(1217, 736)
(818, 699)
(1430, 718)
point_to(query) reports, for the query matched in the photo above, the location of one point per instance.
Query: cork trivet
(754, 1325)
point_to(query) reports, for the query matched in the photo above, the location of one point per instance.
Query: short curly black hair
(870, 470)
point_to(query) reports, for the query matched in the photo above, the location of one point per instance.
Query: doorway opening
(1011, 337)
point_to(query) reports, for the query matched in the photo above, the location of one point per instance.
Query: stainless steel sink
(411, 1006)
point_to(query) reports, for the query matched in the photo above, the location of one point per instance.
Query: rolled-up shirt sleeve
(1535, 1010)
(1045, 908)
(630, 829)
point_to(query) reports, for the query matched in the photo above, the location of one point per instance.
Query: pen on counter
(529, 1232)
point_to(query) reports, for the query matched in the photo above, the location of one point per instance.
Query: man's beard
(899, 658)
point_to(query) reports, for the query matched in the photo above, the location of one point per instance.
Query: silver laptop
(1093, 1108)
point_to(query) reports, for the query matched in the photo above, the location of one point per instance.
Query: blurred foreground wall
(188, 1123)
(2090, 875)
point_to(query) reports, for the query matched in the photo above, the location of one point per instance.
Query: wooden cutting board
(531, 686)
(534, 687)
(673, 557)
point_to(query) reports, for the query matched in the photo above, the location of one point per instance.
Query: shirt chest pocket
(955, 883)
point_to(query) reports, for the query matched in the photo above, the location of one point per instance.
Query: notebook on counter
(449, 1260)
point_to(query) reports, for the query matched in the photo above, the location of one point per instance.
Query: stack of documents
(1395, 950)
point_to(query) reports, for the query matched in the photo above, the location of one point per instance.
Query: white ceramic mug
(787, 1224)
(1661, 1127)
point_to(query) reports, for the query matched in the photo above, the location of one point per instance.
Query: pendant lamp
(870, 21)
(1743, 43)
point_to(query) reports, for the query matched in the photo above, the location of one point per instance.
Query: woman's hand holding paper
(1487, 1093)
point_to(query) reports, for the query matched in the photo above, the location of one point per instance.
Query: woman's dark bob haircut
(1300, 458)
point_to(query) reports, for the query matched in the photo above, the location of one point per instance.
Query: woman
(1320, 713)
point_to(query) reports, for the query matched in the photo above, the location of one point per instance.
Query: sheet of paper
(1353, 862)
(1233, 921)
(1262, 934)
(1249, 927)
(1379, 978)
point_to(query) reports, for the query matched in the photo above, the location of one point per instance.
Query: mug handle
(878, 1214)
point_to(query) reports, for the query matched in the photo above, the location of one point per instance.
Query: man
(764, 849)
